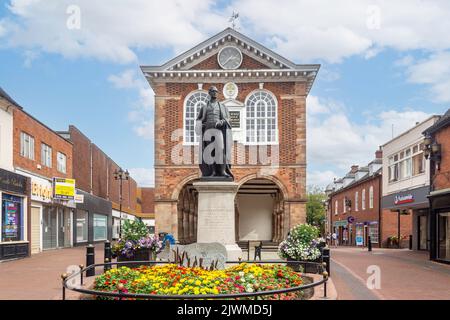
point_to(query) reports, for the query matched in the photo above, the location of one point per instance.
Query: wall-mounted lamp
(432, 150)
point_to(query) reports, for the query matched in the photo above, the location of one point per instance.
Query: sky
(385, 66)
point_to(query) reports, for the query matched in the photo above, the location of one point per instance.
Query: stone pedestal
(216, 216)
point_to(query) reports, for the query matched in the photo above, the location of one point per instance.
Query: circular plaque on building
(230, 90)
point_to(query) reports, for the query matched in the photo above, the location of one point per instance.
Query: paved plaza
(405, 275)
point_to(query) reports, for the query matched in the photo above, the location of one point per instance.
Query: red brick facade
(23, 122)
(287, 172)
(100, 180)
(362, 215)
(442, 176)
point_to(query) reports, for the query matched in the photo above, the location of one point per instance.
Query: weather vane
(233, 19)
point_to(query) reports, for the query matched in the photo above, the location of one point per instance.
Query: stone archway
(260, 211)
(187, 214)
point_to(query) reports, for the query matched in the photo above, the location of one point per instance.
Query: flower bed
(177, 280)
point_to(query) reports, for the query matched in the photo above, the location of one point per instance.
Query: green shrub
(134, 230)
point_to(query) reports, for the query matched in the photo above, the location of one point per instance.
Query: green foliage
(304, 233)
(134, 230)
(315, 208)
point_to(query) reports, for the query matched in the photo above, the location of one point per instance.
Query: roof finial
(233, 19)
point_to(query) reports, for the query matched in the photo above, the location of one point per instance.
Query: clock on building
(230, 58)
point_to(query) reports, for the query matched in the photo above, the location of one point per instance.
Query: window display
(11, 218)
(444, 236)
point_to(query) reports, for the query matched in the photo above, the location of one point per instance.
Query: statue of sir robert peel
(213, 124)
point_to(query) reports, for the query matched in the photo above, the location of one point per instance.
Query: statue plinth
(216, 215)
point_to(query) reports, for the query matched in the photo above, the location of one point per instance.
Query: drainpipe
(380, 210)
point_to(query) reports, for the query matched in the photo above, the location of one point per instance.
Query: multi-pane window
(192, 107)
(407, 163)
(374, 232)
(363, 200)
(46, 155)
(356, 201)
(61, 162)
(371, 197)
(26, 146)
(261, 118)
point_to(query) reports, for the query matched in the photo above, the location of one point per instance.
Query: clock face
(230, 58)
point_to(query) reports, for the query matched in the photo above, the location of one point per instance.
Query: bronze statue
(213, 123)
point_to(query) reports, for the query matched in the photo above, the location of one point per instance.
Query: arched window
(192, 106)
(261, 118)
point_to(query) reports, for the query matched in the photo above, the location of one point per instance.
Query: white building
(406, 183)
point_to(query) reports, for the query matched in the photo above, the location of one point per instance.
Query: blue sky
(383, 64)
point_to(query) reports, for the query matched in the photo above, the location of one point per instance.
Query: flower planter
(144, 254)
(304, 266)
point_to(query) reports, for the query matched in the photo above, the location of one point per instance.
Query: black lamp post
(121, 175)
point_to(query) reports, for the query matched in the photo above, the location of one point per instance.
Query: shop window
(12, 225)
(61, 162)
(46, 155)
(116, 228)
(100, 227)
(373, 232)
(444, 236)
(26, 146)
(82, 226)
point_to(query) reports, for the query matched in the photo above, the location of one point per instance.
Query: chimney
(379, 154)
(355, 168)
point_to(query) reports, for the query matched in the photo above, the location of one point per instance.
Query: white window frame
(357, 201)
(197, 108)
(46, 155)
(27, 147)
(61, 168)
(404, 163)
(336, 208)
(264, 118)
(371, 197)
(363, 199)
(345, 205)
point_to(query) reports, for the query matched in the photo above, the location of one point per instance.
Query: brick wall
(389, 226)
(442, 177)
(367, 215)
(147, 200)
(81, 159)
(23, 122)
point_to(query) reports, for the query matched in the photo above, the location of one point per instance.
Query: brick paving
(39, 277)
(405, 275)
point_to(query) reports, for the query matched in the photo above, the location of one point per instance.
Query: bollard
(369, 244)
(326, 258)
(90, 260)
(63, 278)
(325, 277)
(108, 255)
(410, 242)
(81, 273)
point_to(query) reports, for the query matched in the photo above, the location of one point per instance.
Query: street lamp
(121, 175)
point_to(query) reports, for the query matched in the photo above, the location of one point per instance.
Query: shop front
(364, 230)
(342, 230)
(14, 240)
(440, 226)
(411, 202)
(51, 217)
(93, 219)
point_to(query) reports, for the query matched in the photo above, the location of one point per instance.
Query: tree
(315, 208)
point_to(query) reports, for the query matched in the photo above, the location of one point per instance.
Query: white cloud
(434, 71)
(334, 30)
(142, 109)
(337, 142)
(320, 178)
(143, 176)
(111, 30)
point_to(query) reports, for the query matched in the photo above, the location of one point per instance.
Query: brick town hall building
(266, 95)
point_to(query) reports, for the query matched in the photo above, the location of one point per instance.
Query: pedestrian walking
(334, 236)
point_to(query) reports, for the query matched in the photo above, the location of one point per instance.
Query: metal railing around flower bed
(66, 279)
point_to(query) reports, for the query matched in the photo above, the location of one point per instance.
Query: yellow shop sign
(64, 189)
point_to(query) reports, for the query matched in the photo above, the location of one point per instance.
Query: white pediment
(228, 37)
